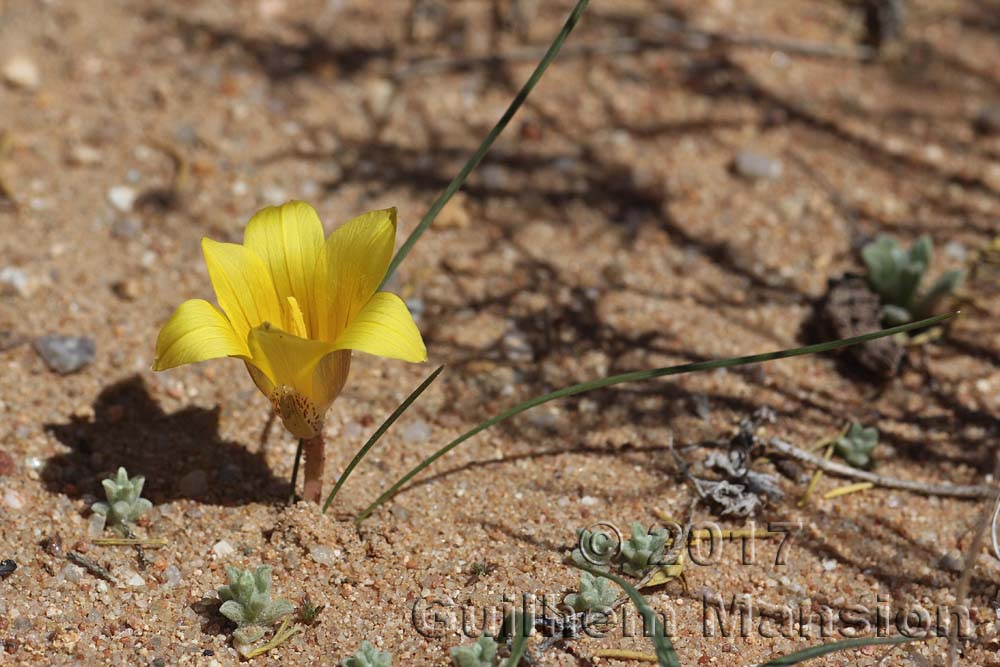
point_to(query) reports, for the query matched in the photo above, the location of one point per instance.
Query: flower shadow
(181, 454)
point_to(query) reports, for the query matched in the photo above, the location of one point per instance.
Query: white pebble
(223, 549)
(323, 554)
(73, 573)
(122, 197)
(21, 72)
(829, 564)
(95, 525)
(588, 500)
(172, 575)
(416, 431)
(14, 282)
(13, 499)
(133, 579)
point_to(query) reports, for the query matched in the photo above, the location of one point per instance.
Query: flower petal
(330, 376)
(384, 327)
(351, 267)
(289, 239)
(286, 359)
(242, 285)
(196, 332)
(283, 368)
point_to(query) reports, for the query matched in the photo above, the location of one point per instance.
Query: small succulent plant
(481, 654)
(368, 656)
(594, 595)
(246, 601)
(643, 550)
(595, 548)
(124, 505)
(857, 444)
(895, 274)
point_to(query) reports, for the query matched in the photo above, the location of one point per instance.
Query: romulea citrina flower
(293, 307)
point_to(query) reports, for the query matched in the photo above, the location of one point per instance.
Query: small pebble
(83, 155)
(758, 166)
(951, 562)
(95, 525)
(378, 95)
(65, 354)
(956, 250)
(134, 579)
(223, 549)
(12, 499)
(829, 564)
(72, 573)
(21, 72)
(122, 197)
(126, 290)
(516, 347)
(14, 282)
(416, 431)
(171, 576)
(322, 554)
(274, 195)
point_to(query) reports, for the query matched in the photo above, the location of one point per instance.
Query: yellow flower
(294, 306)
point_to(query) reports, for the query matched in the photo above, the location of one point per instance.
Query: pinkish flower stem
(314, 450)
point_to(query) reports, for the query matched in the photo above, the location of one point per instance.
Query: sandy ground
(607, 231)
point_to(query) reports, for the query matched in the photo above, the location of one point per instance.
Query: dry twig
(924, 488)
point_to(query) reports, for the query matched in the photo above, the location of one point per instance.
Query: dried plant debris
(857, 444)
(852, 308)
(124, 503)
(741, 491)
(368, 656)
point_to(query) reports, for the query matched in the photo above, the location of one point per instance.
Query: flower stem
(314, 449)
(295, 473)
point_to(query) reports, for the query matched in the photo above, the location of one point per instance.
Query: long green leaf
(639, 376)
(833, 647)
(484, 147)
(665, 654)
(379, 432)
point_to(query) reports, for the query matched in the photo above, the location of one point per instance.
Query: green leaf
(481, 654)
(856, 445)
(594, 594)
(379, 432)
(368, 656)
(833, 647)
(640, 376)
(233, 610)
(484, 147)
(941, 288)
(665, 654)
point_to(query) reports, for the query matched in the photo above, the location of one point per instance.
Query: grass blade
(484, 147)
(639, 376)
(379, 432)
(665, 654)
(833, 647)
